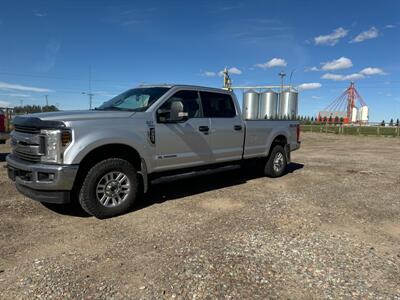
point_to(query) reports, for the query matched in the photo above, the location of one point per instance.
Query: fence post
(358, 130)
(377, 131)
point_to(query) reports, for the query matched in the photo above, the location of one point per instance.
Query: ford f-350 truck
(104, 157)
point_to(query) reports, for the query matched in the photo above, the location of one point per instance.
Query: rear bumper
(42, 182)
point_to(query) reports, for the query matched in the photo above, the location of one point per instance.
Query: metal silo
(250, 104)
(288, 104)
(364, 114)
(268, 105)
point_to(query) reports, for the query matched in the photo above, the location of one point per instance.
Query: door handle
(237, 127)
(204, 128)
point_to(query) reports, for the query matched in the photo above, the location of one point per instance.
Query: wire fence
(393, 131)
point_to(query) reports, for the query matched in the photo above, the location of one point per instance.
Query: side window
(216, 105)
(190, 101)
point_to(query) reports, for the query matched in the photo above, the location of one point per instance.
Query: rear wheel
(277, 162)
(109, 189)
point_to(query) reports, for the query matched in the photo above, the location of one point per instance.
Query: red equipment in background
(2, 121)
(349, 107)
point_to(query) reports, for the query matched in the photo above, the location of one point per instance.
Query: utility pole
(282, 74)
(47, 99)
(290, 79)
(90, 94)
(21, 102)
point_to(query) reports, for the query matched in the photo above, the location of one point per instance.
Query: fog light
(45, 176)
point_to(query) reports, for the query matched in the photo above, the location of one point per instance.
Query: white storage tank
(354, 115)
(250, 105)
(288, 104)
(364, 114)
(268, 105)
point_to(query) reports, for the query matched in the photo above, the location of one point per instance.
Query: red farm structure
(348, 108)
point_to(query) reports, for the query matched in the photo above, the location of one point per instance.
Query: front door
(183, 144)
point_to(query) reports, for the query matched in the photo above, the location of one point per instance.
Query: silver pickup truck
(104, 157)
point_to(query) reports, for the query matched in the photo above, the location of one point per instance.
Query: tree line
(30, 109)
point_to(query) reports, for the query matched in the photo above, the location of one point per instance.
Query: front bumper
(42, 182)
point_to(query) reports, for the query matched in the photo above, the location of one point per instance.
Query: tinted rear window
(216, 105)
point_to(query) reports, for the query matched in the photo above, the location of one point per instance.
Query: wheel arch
(114, 150)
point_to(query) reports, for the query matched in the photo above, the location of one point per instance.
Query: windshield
(138, 99)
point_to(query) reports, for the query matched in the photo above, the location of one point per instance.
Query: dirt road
(328, 229)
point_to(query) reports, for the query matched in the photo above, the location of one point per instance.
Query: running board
(195, 174)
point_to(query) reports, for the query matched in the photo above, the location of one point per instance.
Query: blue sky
(48, 47)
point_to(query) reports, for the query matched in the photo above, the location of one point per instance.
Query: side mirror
(174, 114)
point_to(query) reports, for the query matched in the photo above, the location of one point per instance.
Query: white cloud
(390, 26)
(372, 71)
(232, 70)
(19, 87)
(275, 62)
(354, 76)
(17, 95)
(4, 104)
(309, 86)
(337, 64)
(339, 77)
(331, 39)
(316, 97)
(366, 35)
(208, 73)
(311, 69)
(40, 14)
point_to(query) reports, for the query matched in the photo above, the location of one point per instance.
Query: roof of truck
(182, 85)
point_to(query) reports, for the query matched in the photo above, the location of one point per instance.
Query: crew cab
(103, 157)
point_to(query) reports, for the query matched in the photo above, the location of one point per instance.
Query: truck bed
(261, 133)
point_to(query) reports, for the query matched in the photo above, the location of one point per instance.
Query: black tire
(269, 169)
(88, 197)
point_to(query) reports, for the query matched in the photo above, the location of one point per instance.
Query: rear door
(227, 128)
(187, 143)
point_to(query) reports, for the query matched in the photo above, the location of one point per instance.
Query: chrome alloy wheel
(113, 189)
(278, 162)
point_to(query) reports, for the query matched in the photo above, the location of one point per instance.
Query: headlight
(55, 142)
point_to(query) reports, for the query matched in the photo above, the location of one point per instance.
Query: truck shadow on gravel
(176, 189)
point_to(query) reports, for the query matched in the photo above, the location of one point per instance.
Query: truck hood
(77, 115)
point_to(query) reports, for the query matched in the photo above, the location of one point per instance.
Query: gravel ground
(330, 228)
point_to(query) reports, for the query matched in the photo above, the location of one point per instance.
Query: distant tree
(336, 120)
(383, 123)
(325, 119)
(312, 119)
(30, 109)
(49, 108)
(330, 119)
(391, 122)
(341, 120)
(397, 122)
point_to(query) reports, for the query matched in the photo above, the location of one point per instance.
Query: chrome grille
(29, 147)
(28, 157)
(26, 129)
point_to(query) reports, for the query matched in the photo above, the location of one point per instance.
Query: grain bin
(250, 105)
(288, 103)
(354, 115)
(268, 105)
(363, 113)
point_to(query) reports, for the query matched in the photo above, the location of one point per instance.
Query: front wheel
(277, 162)
(109, 189)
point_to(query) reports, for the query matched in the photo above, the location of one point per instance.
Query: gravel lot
(328, 229)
